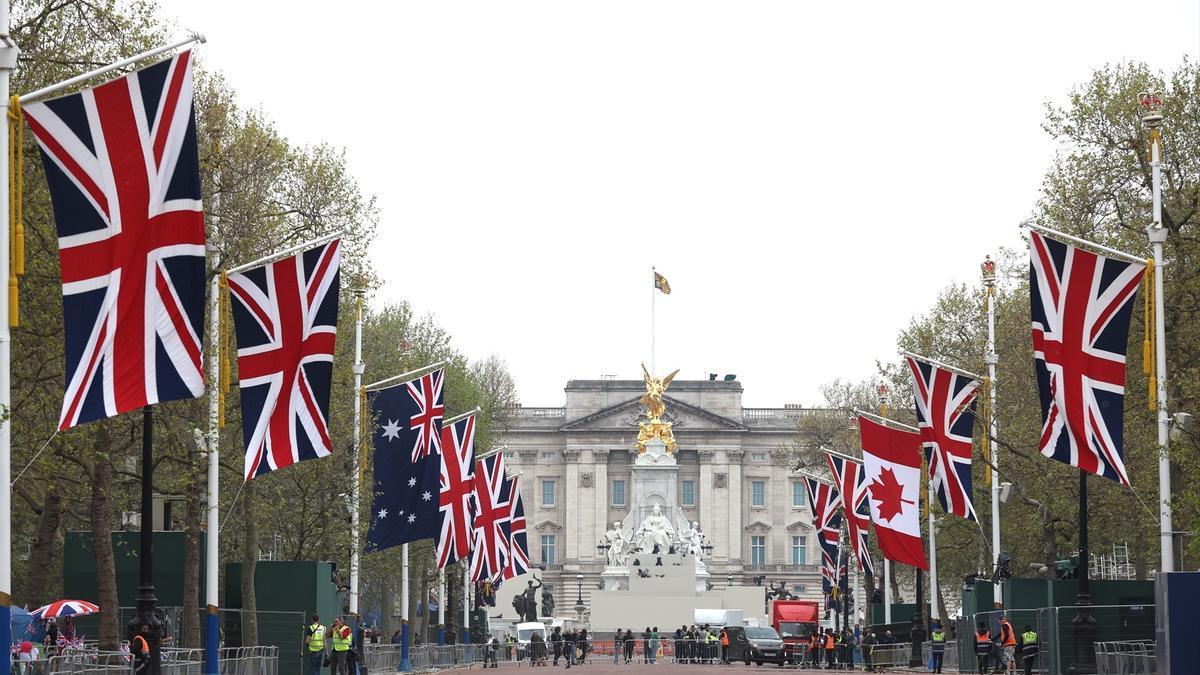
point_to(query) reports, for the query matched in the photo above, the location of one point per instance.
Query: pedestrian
(628, 645)
(314, 642)
(584, 645)
(646, 645)
(830, 647)
(1008, 639)
(340, 639)
(654, 645)
(983, 647)
(937, 638)
(868, 646)
(556, 640)
(724, 638)
(1029, 648)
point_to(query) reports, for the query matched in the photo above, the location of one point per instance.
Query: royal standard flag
(660, 282)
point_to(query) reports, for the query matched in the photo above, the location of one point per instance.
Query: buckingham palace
(734, 478)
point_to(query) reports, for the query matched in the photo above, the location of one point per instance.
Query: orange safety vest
(828, 642)
(724, 639)
(144, 649)
(982, 637)
(1006, 631)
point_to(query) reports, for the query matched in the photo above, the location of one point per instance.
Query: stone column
(737, 506)
(707, 497)
(573, 507)
(599, 521)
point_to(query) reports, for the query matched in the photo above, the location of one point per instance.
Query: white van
(525, 631)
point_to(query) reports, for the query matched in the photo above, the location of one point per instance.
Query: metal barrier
(894, 655)
(232, 661)
(1132, 657)
(262, 660)
(950, 656)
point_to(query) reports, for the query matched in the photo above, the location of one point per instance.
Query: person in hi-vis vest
(314, 645)
(340, 639)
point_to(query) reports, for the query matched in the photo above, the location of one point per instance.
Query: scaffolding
(1115, 566)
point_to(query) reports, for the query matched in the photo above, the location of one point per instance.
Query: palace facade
(735, 477)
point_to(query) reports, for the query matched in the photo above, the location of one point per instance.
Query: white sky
(807, 175)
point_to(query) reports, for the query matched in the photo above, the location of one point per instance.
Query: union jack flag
(1080, 304)
(426, 392)
(823, 499)
(493, 525)
(946, 418)
(518, 541)
(851, 480)
(285, 318)
(456, 499)
(124, 179)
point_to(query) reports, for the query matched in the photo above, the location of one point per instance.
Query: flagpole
(466, 624)
(59, 86)
(279, 255)
(1158, 235)
(989, 282)
(356, 476)
(932, 555)
(405, 665)
(212, 640)
(653, 317)
(8, 61)
(441, 629)
(882, 392)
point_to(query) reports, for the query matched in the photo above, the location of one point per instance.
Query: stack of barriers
(1130, 657)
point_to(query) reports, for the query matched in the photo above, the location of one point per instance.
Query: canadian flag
(892, 462)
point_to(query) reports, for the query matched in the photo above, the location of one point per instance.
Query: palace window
(688, 490)
(797, 494)
(758, 456)
(547, 493)
(547, 455)
(799, 550)
(547, 549)
(758, 494)
(758, 550)
(618, 492)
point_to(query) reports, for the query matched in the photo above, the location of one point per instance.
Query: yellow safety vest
(317, 641)
(341, 644)
(1028, 639)
(939, 636)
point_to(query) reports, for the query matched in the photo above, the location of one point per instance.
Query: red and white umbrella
(61, 608)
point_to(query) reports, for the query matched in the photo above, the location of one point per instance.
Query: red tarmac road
(607, 667)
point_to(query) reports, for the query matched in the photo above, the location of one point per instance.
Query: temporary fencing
(1132, 657)
(1061, 643)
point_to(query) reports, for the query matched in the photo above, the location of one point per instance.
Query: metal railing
(1131, 657)
(894, 655)
(950, 656)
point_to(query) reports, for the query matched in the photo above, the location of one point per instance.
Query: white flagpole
(882, 391)
(466, 624)
(441, 631)
(653, 317)
(356, 453)
(989, 281)
(1158, 235)
(212, 535)
(59, 86)
(405, 665)
(8, 61)
(932, 555)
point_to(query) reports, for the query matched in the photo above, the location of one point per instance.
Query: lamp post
(579, 606)
(1152, 117)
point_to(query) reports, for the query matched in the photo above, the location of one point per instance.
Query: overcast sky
(807, 175)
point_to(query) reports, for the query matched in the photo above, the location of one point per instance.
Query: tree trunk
(386, 605)
(102, 516)
(422, 618)
(192, 604)
(412, 607)
(249, 562)
(45, 541)
(943, 615)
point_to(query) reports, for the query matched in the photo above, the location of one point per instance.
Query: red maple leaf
(888, 491)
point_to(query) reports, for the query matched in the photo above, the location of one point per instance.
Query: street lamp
(579, 606)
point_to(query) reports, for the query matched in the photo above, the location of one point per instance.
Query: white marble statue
(655, 530)
(693, 540)
(618, 545)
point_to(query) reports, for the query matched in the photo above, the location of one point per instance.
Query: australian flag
(407, 469)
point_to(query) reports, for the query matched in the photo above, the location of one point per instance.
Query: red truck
(794, 620)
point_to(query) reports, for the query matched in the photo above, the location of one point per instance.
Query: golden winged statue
(654, 427)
